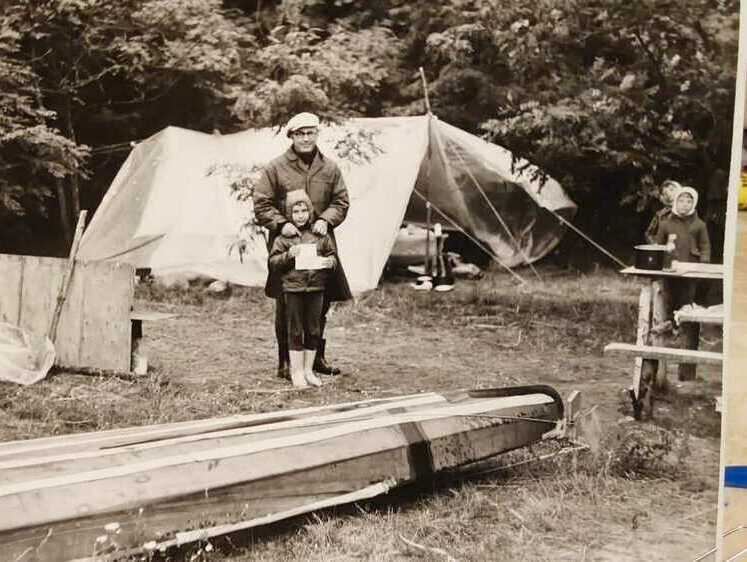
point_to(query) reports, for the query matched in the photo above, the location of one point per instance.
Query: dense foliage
(608, 96)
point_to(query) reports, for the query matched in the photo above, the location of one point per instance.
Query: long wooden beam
(119, 437)
(668, 353)
(137, 445)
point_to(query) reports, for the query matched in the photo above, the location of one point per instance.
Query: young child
(666, 196)
(303, 290)
(692, 244)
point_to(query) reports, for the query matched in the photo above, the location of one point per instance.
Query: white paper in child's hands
(307, 258)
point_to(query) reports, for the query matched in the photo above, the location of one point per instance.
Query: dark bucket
(650, 256)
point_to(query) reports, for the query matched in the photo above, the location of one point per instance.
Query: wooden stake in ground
(62, 295)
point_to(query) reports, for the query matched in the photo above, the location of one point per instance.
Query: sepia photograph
(315, 280)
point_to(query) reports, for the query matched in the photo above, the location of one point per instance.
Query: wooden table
(650, 351)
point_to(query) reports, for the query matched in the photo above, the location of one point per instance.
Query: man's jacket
(326, 188)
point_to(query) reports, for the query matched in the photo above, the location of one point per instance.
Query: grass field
(642, 491)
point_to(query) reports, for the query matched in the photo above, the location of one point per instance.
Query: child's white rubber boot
(308, 367)
(297, 367)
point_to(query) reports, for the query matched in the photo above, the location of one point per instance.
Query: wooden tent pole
(425, 90)
(428, 216)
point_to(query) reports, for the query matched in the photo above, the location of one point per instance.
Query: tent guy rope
(474, 240)
(588, 239)
(495, 212)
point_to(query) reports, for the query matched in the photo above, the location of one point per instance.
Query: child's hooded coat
(282, 264)
(693, 243)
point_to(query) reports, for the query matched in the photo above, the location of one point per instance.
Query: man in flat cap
(302, 166)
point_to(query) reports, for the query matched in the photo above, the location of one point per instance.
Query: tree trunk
(74, 179)
(67, 229)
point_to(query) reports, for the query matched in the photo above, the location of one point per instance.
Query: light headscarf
(681, 191)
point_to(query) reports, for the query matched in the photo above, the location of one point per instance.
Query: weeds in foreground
(556, 509)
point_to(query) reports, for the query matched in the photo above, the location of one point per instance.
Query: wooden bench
(676, 355)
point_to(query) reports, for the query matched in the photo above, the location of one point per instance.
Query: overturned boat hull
(108, 494)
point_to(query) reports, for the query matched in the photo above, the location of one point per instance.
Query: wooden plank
(676, 355)
(11, 281)
(99, 440)
(72, 539)
(701, 316)
(687, 267)
(106, 335)
(132, 449)
(41, 282)
(695, 272)
(70, 328)
(661, 305)
(219, 530)
(151, 315)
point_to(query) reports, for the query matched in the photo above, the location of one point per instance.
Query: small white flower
(112, 527)
(208, 547)
(685, 86)
(519, 25)
(627, 82)
(675, 60)
(101, 538)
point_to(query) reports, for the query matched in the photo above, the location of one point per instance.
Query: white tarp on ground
(181, 202)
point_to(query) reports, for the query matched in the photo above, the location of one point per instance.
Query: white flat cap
(300, 121)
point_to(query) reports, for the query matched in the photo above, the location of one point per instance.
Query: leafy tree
(34, 157)
(310, 61)
(118, 71)
(610, 97)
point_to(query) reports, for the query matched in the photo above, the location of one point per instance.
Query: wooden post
(425, 91)
(659, 316)
(428, 218)
(644, 314)
(644, 370)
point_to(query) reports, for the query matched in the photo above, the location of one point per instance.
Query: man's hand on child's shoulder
(289, 230)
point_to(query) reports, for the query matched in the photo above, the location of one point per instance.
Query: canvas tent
(181, 201)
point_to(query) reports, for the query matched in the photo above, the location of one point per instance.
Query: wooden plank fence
(94, 329)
